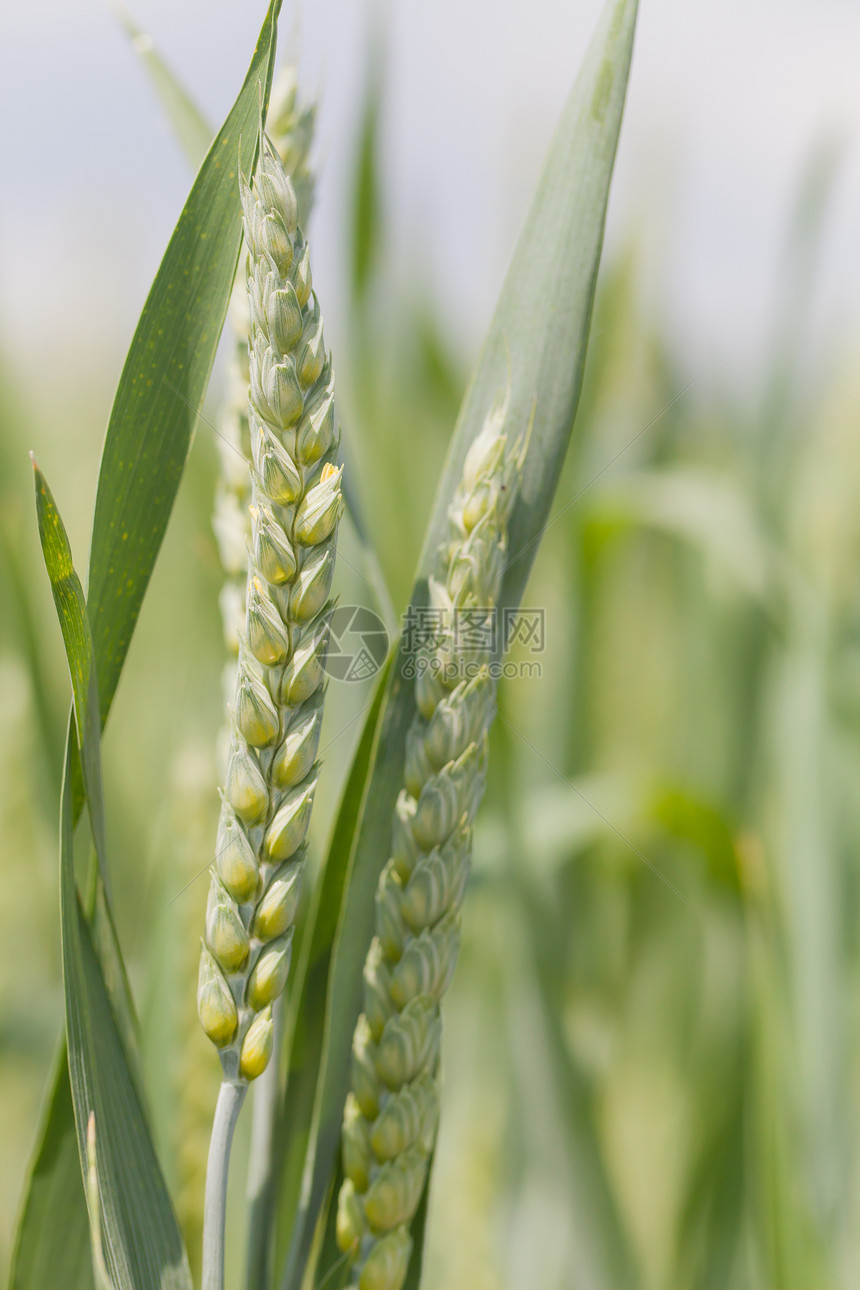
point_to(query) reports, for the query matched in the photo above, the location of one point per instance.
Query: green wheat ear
(276, 709)
(295, 503)
(290, 128)
(392, 1110)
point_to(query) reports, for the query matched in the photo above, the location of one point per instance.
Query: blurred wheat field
(651, 1053)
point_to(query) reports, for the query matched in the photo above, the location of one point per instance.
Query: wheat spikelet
(391, 1112)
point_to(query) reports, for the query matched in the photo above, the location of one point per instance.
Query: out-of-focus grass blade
(50, 728)
(19, 626)
(366, 200)
(792, 311)
(370, 559)
(536, 348)
(685, 815)
(707, 509)
(711, 1225)
(596, 1204)
(810, 899)
(142, 1242)
(607, 1258)
(160, 392)
(193, 132)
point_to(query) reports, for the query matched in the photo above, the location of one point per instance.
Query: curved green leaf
(193, 135)
(708, 510)
(72, 612)
(536, 349)
(142, 1245)
(539, 332)
(53, 1230)
(165, 376)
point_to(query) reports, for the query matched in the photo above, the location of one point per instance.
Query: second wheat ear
(276, 713)
(392, 1111)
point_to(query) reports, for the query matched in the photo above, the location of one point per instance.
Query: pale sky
(727, 97)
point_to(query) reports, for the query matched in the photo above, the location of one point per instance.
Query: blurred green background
(651, 1044)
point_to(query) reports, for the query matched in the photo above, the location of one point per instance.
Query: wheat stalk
(391, 1112)
(277, 704)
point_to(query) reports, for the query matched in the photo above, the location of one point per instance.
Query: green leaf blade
(143, 1247)
(71, 608)
(142, 1241)
(54, 1190)
(165, 376)
(536, 350)
(538, 336)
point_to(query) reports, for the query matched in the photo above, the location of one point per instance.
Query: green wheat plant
(277, 711)
(392, 1109)
(327, 944)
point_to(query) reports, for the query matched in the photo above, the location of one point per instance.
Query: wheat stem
(261, 1161)
(229, 1104)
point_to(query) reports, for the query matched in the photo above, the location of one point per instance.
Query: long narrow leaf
(53, 1231)
(367, 231)
(165, 376)
(536, 348)
(143, 1247)
(71, 608)
(142, 1242)
(193, 135)
(31, 651)
(147, 443)
(85, 754)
